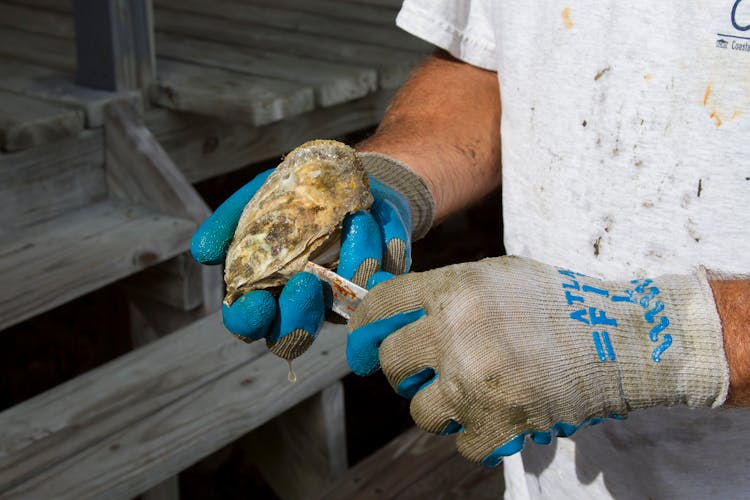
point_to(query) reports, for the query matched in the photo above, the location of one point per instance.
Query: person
(619, 134)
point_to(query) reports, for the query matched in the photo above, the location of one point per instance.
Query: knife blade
(346, 295)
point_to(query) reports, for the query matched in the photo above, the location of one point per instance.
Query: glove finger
(361, 248)
(210, 242)
(301, 314)
(382, 192)
(430, 409)
(478, 447)
(378, 278)
(400, 294)
(251, 316)
(408, 358)
(396, 237)
(362, 343)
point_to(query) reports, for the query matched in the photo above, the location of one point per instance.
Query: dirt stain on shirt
(566, 18)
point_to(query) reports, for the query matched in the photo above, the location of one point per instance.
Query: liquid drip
(292, 377)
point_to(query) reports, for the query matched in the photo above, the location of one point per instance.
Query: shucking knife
(346, 295)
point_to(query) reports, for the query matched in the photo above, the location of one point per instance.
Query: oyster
(295, 216)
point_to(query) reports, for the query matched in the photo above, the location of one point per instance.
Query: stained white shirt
(626, 153)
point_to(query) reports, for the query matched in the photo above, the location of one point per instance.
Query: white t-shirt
(626, 152)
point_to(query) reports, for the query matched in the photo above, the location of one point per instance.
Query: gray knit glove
(508, 347)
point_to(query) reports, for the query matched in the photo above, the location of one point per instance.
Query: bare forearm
(733, 303)
(445, 124)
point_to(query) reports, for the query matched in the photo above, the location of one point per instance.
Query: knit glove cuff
(679, 308)
(408, 183)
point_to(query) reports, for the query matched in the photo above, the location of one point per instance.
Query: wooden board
(24, 17)
(114, 44)
(336, 10)
(228, 95)
(320, 23)
(204, 148)
(123, 427)
(47, 181)
(139, 171)
(27, 122)
(58, 87)
(395, 4)
(393, 65)
(298, 472)
(333, 83)
(52, 52)
(64, 258)
(417, 465)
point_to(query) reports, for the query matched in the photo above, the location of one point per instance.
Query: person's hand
(505, 348)
(374, 240)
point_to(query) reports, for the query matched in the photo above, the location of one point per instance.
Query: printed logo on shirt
(736, 36)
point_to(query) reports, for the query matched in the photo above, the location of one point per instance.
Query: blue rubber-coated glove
(290, 323)
(371, 240)
(505, 348)
(377, 240)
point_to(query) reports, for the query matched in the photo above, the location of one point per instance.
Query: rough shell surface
(295, 215)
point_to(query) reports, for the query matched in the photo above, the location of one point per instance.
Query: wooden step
(44, 182)
(63, 258)
(228, 95)
(331, 82)
(319, 23)
(417, 465)
(58, 87)
(392, 64)
(27, 122)
(123, 427)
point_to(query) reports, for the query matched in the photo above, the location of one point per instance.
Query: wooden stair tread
(58, 260)
(27, 122)
(417, 465)
(123, 427)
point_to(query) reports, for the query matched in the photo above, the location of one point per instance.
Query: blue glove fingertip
(378, 278)
(250, 316)
(211, 240)
(301, 305)
(412, 384)
(360, 241)
(363, 343)
(510, 448)
(382, 192)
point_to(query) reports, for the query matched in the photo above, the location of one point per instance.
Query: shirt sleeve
(464, 29)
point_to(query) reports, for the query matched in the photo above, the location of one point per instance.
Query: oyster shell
(295, 216)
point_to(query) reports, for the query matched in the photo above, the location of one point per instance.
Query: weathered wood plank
(394, 4)
(393, 65)
(333, 83)
(181, 290)
(140, 171)
(59, 88)
(320, 23)
(27, 122)
(228, 95)
(46, 181)
(52, 52)
(337, 10)
(294, 471)
(58, 260)
(205, 148)
(186, 395)
(417, 465)
(114, 43)
(62, 6)
(25, 17)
